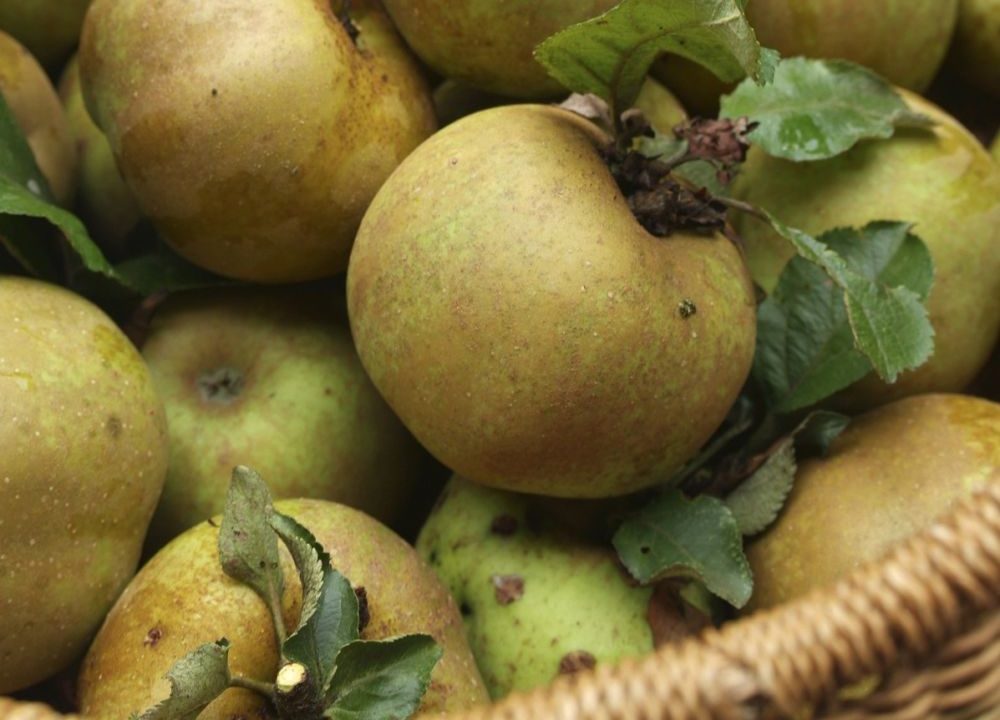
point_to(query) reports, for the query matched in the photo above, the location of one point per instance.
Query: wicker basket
(913, 637)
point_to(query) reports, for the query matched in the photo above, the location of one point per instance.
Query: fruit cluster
(662, 356)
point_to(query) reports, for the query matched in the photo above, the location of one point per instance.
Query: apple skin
(454, 100)
(975, 51)
(903, 40)
(103, 200)
(181, 599)
(83, 454)
(39, 114)
(490, 45)
(575, 596)
(253, 135)
(995, 148)
(304, 414)
(527, 329)
(945, 183)
(50, 29)
(889, 475)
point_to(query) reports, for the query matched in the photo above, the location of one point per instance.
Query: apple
(975, 51)
(83, 454)
(889, 475)
(50, 29)
(181, 599)
(253, 135)
(527, 329)
(902, 40)
(103, 200)
(36, 108)
(539, 599)
(944, 182)
(490, 45)
(270, 378)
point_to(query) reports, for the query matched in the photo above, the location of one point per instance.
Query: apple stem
(264, 688)
(744, 207)
(279, 622)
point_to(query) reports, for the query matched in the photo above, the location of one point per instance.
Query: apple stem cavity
(222, 385)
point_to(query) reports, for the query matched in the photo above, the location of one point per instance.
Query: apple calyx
(222, 385)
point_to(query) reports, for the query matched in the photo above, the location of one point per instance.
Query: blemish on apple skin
(153, 637)
(114, 426)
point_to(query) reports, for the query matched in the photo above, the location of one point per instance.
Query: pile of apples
(416, 266)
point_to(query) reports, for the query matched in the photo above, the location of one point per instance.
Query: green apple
(487, 44)
(253, 135)
(995, 148)
(694, 85)
(181, 599)
(270, 378)
(902, 40)
(944, 182)
(537, 601)
(889, 475)
(527, 329)
(975, 51)
(50, 29)
(39, 114)
(103, 200)
(83, 454)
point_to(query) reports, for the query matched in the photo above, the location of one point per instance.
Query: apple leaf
(610, 55)
(330, 614)
(697, 538)
(852, 302)
(248, 547)
(24, 192)
(195, 680)
(758, 500)
(386, 679)
(816, 109)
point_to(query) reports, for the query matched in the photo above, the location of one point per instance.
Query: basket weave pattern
(915, 636)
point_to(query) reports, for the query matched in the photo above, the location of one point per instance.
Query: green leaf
(24, 192)
(379, 680)
(610, 55)
(248, 547)
(195, 680)
(816, 109)
(330, 614)
(165, 271)
(815, 434)
(882, 272)
(696, 538)
(758, 500)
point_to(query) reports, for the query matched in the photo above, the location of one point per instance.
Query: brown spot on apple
(576, 661)
(507, 588)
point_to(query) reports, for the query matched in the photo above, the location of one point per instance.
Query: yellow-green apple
(50, 29)
(181, 599)
(83, 454)
(253, 135)
(527, 329)
(490, 45)
(944, 182)
(269, 377)
(889, 475)
(103, 200)
(39, 114)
